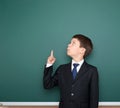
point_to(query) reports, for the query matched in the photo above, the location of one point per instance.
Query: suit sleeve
(94, 89)
(49, 81)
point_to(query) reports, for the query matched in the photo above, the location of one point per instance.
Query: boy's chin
(69, 54)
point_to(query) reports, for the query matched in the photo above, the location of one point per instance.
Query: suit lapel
(69, 73)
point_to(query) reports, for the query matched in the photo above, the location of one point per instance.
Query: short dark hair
(85, 42)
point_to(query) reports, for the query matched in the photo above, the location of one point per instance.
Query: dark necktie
(74, 71)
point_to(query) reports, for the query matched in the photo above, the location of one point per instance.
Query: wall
(29, 29)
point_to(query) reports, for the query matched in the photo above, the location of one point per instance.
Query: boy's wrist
(48, 65)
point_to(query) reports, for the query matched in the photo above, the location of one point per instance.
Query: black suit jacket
(82, 92)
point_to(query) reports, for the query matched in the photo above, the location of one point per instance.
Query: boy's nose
(69, 44)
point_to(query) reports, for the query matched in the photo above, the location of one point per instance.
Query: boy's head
(80, 45)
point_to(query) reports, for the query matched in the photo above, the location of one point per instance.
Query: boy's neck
(78, 59)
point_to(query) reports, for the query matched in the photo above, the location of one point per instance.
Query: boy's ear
(83, 50)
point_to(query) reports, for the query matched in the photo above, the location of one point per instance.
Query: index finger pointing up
(51, 54)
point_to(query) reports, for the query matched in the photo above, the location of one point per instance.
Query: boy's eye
(73, 43)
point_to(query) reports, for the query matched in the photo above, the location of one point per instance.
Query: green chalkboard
(29, 29)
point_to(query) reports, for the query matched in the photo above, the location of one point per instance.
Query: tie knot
(75, 65)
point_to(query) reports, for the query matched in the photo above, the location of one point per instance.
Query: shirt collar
(80, 62)
(79, 66)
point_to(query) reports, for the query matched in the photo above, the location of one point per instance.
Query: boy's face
(74, 50)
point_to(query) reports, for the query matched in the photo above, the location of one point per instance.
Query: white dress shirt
(79, 66)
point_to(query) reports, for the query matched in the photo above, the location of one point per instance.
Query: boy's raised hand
(51, 58)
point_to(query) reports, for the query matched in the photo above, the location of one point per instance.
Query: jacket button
(72, 94)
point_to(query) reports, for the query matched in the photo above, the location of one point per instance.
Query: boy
(78, 80)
